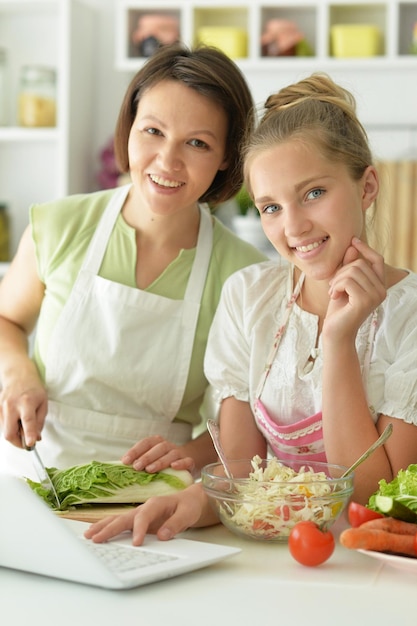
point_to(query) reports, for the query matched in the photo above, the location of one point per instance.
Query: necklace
(314, 353)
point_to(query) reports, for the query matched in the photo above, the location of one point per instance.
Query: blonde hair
(314, 110)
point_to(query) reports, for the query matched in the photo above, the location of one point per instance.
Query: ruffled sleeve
(242, 330)
(393, 384)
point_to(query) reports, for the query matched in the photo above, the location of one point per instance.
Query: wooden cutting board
(95, 513)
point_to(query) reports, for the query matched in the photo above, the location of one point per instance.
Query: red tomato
(259, 524)
(283, 512)
(358, 514)
(309, 545)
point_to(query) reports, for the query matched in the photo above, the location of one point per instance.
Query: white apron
(119, 358)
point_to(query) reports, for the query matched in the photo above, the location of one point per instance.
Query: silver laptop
(34, 539)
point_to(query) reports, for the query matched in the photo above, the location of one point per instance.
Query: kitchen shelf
(394, 19)
(40, 164)
(17, 133)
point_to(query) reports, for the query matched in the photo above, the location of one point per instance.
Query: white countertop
(260, 585)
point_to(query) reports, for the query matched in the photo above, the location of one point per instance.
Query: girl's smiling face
(310, 207)
(177, 144)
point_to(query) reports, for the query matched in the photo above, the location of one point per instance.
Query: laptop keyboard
(121, 559)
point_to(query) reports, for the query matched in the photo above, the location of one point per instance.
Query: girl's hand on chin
(356, 289)
(375, 260)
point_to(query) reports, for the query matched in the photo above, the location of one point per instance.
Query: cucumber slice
(395, 508)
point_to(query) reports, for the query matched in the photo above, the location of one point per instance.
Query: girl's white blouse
(248, 316)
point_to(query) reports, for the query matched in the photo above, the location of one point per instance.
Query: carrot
(379, 540)
(391, 525)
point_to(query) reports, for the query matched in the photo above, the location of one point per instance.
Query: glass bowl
(266, 498)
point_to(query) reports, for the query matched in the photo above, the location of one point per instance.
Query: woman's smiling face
(177, 144)
(310, 207)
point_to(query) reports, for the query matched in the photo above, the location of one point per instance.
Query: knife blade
(40, 469)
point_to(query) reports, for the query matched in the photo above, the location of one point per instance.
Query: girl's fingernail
(356, 240)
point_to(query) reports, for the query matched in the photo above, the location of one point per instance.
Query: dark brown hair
(212, 74)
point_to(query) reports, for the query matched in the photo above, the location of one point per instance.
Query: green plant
(244, 202)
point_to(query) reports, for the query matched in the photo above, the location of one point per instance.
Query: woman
(314, 358)
(123, 284)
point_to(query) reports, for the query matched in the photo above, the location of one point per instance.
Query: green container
(4, 234)
(413, 47)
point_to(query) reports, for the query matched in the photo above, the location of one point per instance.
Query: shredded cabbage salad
(285, 497)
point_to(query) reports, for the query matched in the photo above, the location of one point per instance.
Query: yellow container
(232, 41)
(355, 40)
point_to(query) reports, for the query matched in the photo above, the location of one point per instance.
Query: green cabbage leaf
(403, 489)
(108, 483)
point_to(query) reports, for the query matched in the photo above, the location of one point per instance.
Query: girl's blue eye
(315, 193)
(271, 208)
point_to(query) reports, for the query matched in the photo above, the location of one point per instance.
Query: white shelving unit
(40, 164)
(384, 85)
(394, 18)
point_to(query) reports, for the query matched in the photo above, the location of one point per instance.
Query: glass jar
(37, 96)
(3, 87)
(4, 233)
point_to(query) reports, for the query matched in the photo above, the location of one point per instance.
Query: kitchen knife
(40, 469)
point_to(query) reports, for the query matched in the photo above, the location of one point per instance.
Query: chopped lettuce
(105, 483)
(403, 489)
